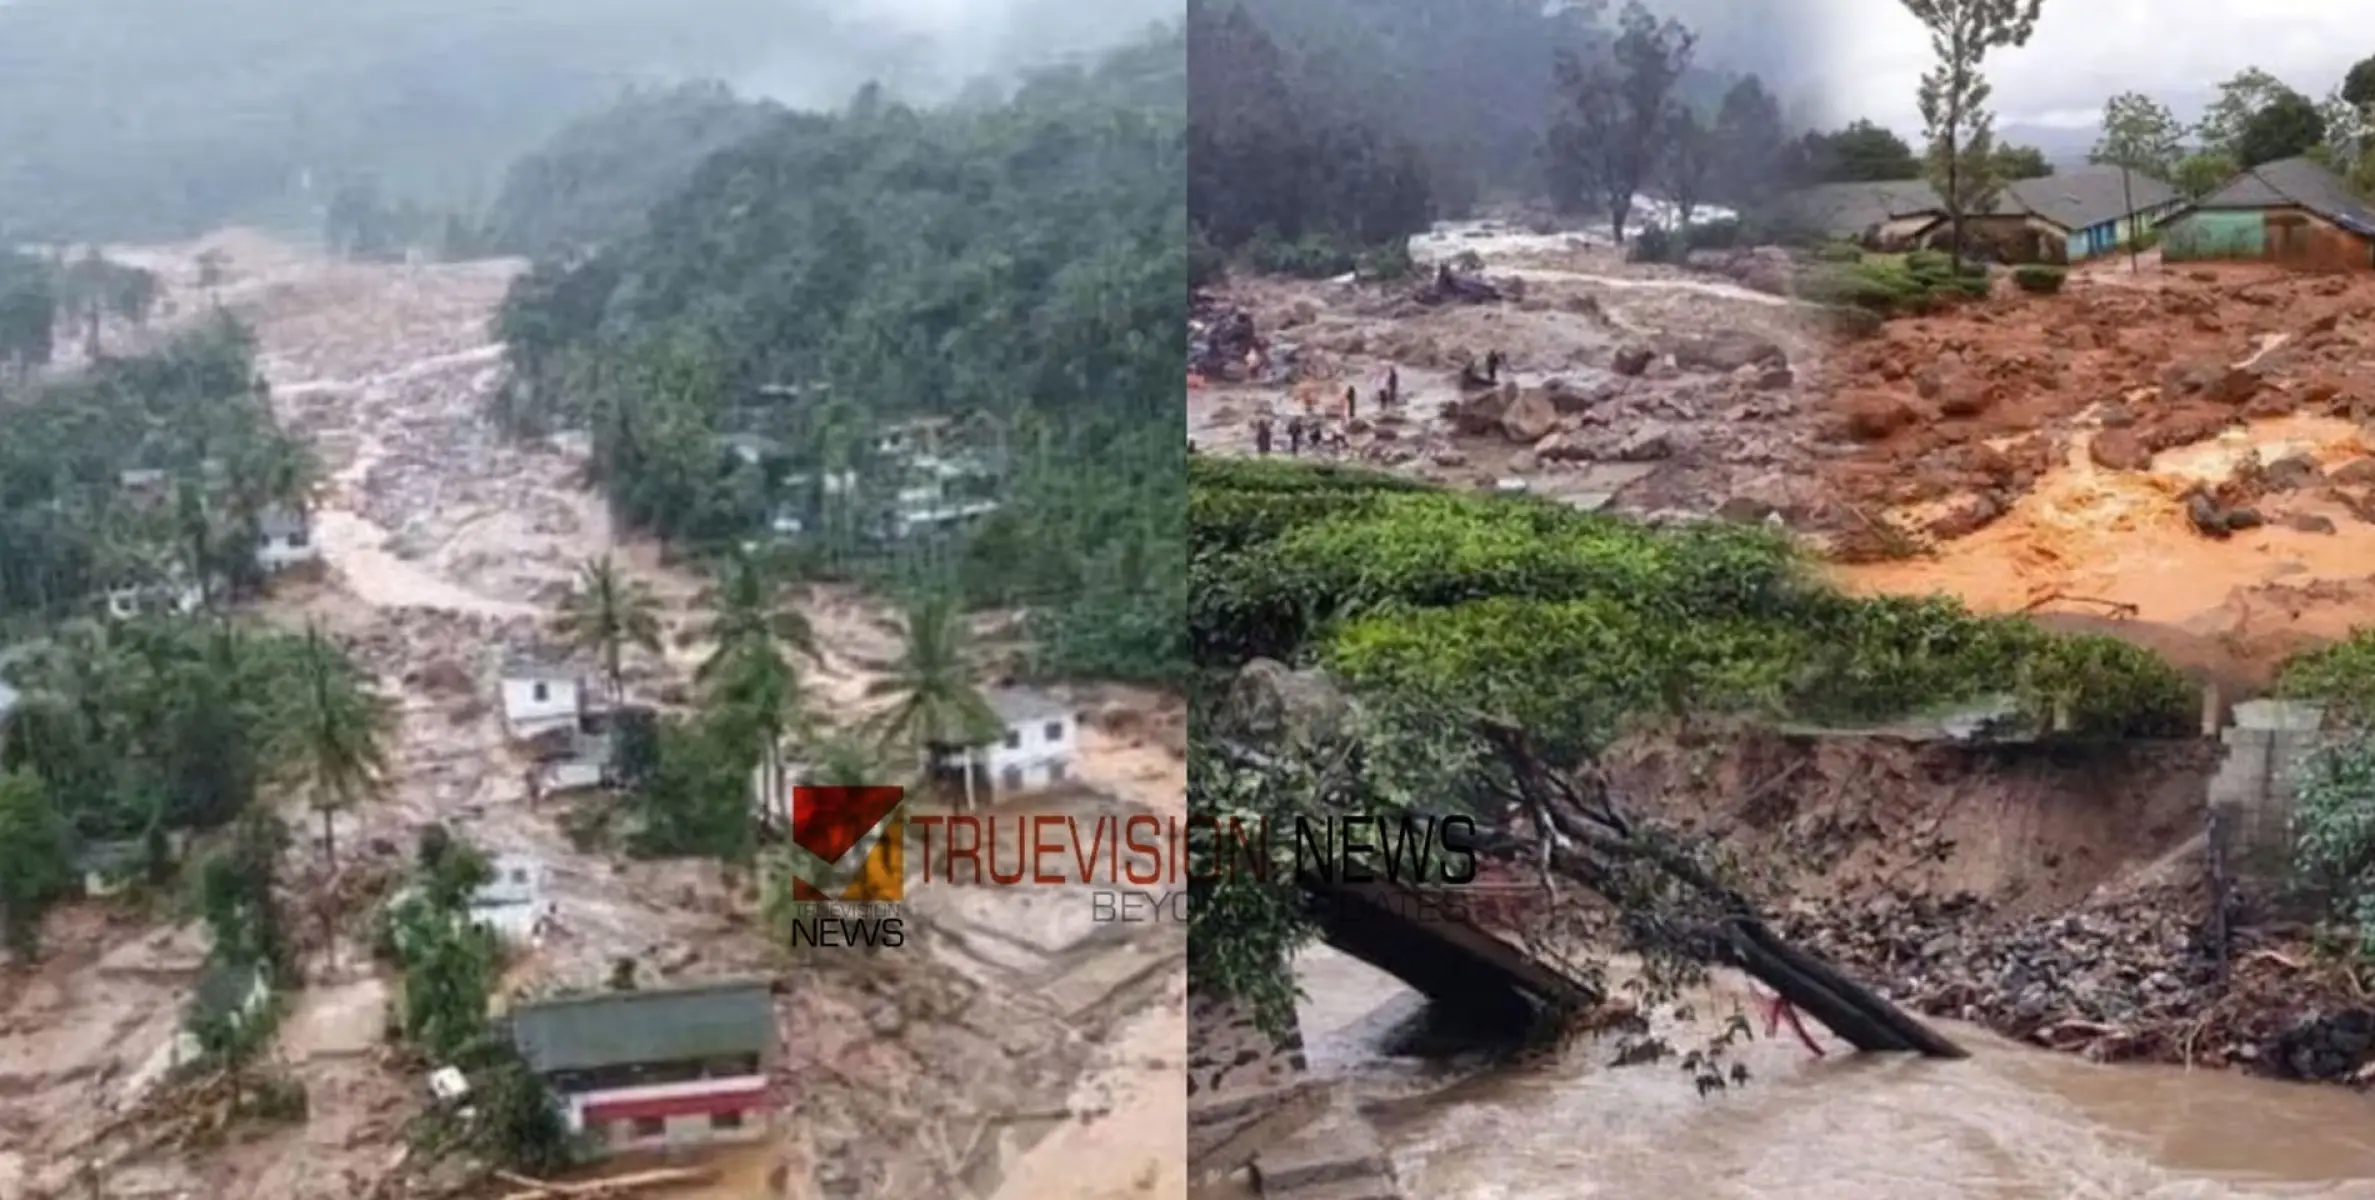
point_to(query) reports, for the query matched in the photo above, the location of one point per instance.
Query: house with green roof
(656, 1069)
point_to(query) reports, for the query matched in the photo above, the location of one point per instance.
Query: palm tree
(748, 675)
(332, 734)
(937, 711)
(607, 613)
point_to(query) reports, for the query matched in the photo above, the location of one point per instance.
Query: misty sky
(2178, 51)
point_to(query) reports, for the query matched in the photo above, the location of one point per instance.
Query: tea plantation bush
(1568, 621)
(1916, 283)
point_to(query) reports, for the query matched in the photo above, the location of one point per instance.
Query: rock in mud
(1647, 444)
(1632, 360)
(1873, 416)
(1530, 418)
(2118, 450)
(2310, 523)
(2290, 473)
(1477, 413)
(1727, 352)
(2355, 473)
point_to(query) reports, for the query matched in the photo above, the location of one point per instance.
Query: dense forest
(140, 479)
(1319, 129)
(749, 357)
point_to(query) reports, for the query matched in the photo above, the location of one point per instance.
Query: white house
(512, 905)
(542, 698)
(285, 539)
(1035, 749)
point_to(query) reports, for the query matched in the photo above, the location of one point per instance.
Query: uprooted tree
(1624, 883)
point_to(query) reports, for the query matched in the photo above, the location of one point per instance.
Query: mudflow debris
(942, 1070)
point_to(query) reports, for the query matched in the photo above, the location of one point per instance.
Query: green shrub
(1654, 244)
(1571, 671)
(2340, 676)
(2038, 278)
(1838, 252)
(1569, 621)
(1442, 549)
(1930, 264)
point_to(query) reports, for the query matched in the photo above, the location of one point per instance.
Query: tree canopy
(1013, 271)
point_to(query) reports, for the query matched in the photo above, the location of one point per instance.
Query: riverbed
(2009, 1123)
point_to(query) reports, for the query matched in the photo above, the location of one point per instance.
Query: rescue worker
(1261, 434)
(1492, 367)
(1352, 401)
(1393, 387)
(1294, 436)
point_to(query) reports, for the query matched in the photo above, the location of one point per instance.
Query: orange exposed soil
(2042, 448)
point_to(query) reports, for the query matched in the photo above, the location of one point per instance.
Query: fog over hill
(155, 118)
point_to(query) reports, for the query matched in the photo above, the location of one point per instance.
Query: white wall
(529, 715)
(281, 553)
(1029, 750)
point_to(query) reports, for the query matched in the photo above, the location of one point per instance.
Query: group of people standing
(1309, 428)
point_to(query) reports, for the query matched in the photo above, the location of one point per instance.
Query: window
(730, 1119)
(1012, 779)
(1055, 731)
(1014, 739)
(542, 693)
(297, 540)
(649, 1127)
(1055, 772)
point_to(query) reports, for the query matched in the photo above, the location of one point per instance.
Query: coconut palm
(333, 734)
(607, 613)
(751, 680)
(936, 711)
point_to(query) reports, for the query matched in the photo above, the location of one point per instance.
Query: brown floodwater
(2010, 1123)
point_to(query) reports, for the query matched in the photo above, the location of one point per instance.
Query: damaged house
(656, 1069)
(553, 707)
(1033, 752)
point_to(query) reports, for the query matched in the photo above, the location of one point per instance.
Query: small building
(108, 867)
(2292, 211)
(657, 1069)
(1882, 214)
(284, 539)
(511, 905)
(2065, 217)
(145, 487)
(175, 596)
(1034, 751)
(543, 698)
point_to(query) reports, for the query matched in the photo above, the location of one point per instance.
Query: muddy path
(447, 546)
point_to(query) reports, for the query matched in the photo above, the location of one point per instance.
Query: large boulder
(1272, 702)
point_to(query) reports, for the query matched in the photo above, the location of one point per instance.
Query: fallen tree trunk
(1588, 822)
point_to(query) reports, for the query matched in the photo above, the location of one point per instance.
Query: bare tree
(1688, 164)
(1606, 145)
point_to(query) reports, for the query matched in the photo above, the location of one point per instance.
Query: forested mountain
(1016, 267)
(1359, 120)
(595, 180)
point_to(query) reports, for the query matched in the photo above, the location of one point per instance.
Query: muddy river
(2010, 1123)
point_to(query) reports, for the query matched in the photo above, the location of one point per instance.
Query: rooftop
(280, 521)
(622, 1028)
(2295, 183)
(1019, 706)
(2088, 196)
